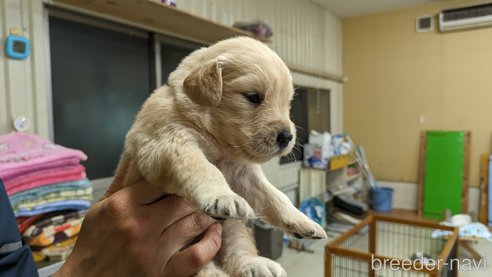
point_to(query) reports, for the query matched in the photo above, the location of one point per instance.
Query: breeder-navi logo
(425, 263)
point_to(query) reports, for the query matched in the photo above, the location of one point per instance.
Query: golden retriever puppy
(225, 111)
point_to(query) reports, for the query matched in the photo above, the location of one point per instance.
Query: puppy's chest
(233, 171)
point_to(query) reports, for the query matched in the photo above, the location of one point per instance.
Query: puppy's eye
(253, 98)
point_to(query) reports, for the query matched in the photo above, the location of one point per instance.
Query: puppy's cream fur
(200, 138)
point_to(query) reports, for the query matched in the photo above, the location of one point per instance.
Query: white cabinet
(284, 177)
(312, 183)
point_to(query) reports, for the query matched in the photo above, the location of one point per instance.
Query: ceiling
(350, 8)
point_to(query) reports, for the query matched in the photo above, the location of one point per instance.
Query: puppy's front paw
(300, 226)
(226, 205)
(211, 274)
(259, 267)
(211, 270)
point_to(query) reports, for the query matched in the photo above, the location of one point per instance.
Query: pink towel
(33, 176)
(49, 165)
(44, 177)
(21, 153)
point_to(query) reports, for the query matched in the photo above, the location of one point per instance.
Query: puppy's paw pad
(305, 229)
(228, 205)
(259, 267)
(211, 274)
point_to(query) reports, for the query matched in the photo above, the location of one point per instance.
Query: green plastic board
(443, 181)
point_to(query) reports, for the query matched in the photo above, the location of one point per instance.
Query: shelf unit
(314, 182)
(154, 15)
(163, 19)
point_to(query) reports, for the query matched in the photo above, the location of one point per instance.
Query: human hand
(137, 232)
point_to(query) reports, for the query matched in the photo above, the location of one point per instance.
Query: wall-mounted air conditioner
(465, 18)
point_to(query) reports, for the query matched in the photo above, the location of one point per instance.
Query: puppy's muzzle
(283, 138)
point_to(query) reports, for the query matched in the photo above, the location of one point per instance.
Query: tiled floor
(484, 248)
(303, 264)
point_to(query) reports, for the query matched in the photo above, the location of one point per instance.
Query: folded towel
(20, 152)
(46, 182)
(35, 227)
(44, 177)
(56, 233)
(10, 174)
(54, 198)
(56, 206)
(24, 222)
(54, 228)
(60, 190)
(54, 252)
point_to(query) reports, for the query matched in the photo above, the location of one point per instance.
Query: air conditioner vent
(465, 18)
(465, 13)
(425, 24)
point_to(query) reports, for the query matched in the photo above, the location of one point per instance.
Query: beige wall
(398, 76)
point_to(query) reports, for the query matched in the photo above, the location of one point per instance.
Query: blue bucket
(382, 199)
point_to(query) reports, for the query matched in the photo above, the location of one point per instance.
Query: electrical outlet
(422, 119)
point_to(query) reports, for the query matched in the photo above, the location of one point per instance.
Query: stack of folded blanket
(48, 191)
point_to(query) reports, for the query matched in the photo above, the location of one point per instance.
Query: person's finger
(194, 258)
(156, 216)
(183, 232)
(165, 212)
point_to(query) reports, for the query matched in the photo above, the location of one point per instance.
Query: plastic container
(382, 199)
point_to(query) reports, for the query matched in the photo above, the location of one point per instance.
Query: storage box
(269, 240)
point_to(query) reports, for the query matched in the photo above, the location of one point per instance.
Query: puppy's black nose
(283, 138)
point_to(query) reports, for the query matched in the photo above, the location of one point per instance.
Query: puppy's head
(239, 91)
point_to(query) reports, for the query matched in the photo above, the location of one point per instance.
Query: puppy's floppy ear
(204, 84)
